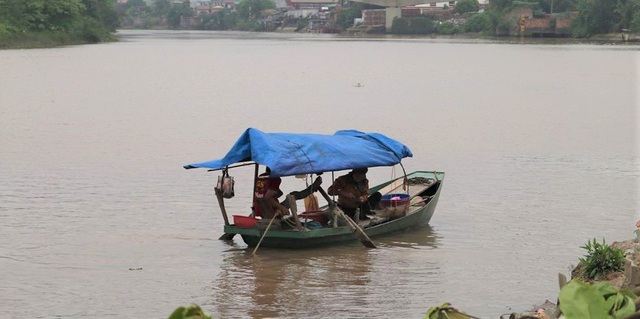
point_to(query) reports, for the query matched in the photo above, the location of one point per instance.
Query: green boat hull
(416, 217)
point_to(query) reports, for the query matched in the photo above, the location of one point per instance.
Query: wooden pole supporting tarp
(218, 192)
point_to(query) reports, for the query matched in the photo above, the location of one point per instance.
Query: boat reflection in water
(423, 238)
(326, 281)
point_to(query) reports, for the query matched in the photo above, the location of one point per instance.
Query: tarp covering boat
(292, 153)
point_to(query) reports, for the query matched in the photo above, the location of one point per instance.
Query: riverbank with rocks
(628, 279)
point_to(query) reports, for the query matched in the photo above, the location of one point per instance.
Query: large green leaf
(191, 312)
(445, 311)
(619, 303)
(579, 300)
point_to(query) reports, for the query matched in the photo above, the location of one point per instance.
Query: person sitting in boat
(268, 190)
(353, 193)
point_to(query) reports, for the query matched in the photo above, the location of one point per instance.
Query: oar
(265, 232)
(364, 239)
(225, 236)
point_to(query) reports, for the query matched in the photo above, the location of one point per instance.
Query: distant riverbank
(40, 40)
(31, 40)
(599, 38)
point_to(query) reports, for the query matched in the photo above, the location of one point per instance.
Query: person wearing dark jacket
(352, 190)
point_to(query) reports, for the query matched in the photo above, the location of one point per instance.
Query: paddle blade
(362, 236)
(367, 242)
(226, 236)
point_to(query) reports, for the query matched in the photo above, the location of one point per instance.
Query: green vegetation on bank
(47, 23)
(500, 17)
(164, 14)
(192, 311)
(589, 17)
(589, 295)
(601, 260)
(577, 300)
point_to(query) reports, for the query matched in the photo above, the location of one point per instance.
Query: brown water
(98, 219)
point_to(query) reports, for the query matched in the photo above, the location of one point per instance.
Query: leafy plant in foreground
(579, 300)
(601, 260)
(190, 312)
(445, 311)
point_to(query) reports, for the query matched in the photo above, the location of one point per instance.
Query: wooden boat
(409, 201)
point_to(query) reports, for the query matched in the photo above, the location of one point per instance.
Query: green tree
(421, 25)
(346, 15)
(247, 25)
(496, 12)
(12, 15)
(500, 5)
(626, 10)
(52, 22)
(176, 13)
(400, 26)
(103, 11)
(40, 15)
(250, 9)
(59, 14)
(464, 6)
(478, 22)
(132, 10)
(594, 17)
(414, 25)
(211, 21)
(448, 28)
(135, 4)
(635, 23)
(230, 20)
(161, 8)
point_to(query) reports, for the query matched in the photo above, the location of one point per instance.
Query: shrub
(477, 23)
(192, 311)
(247, 25)
(421, 25)
(346, 16)
(635, 23)
(464, 6)
(414, 25)
(448, 28)
(400, 26)
(302, 24)
(91, 30)
(601, 260)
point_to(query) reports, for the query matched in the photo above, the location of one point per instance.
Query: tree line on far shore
(593, 16)
(590, 17)
(41, 23)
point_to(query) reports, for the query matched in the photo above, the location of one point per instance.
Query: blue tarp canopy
(290, 153)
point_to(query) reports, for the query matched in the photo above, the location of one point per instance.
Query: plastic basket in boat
(394, 205)
(244, 221)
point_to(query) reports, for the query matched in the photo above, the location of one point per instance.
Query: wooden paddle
(265, 232)
(362, 236)
(224, 236)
